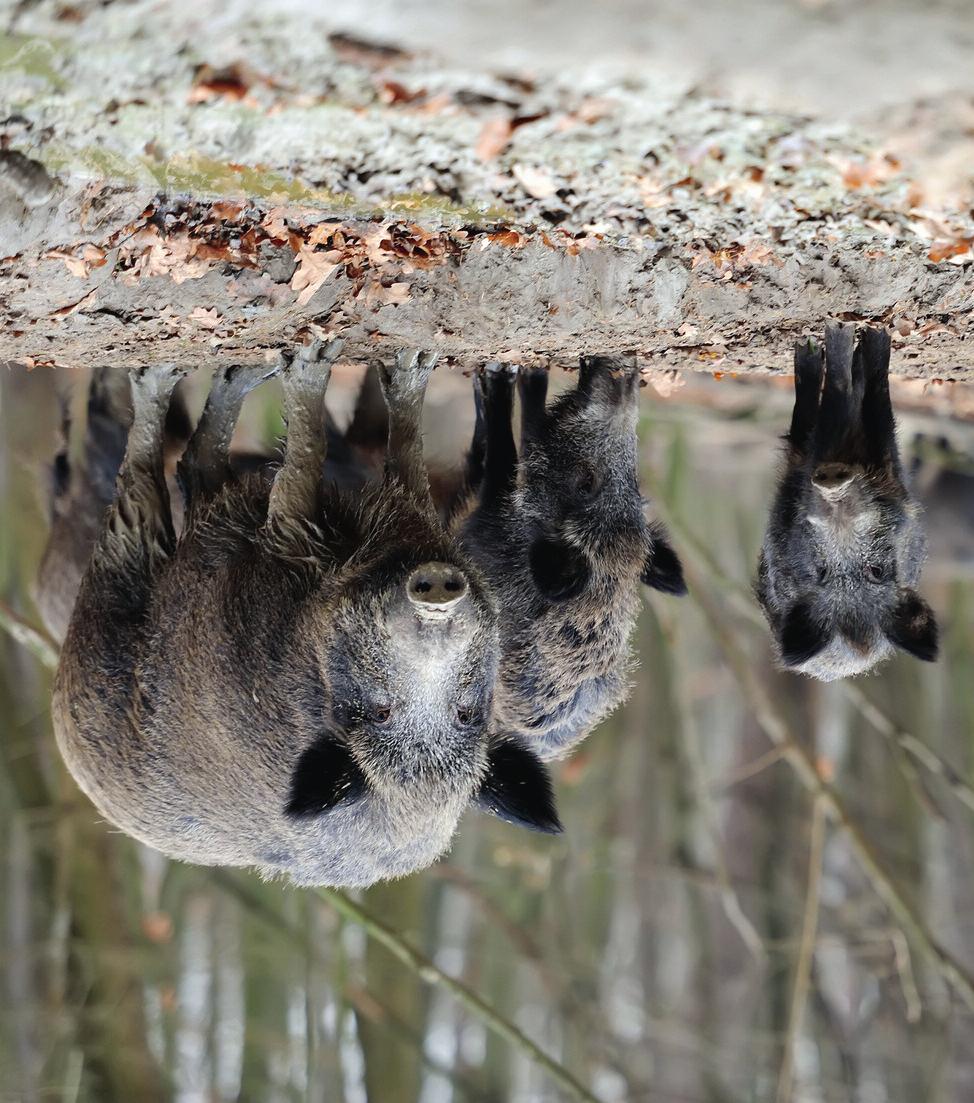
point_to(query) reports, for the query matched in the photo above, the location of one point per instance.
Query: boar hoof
(306, 370)
(496, 368)
(152, 388)
(156, 381)
(239, 380)
(408, 379)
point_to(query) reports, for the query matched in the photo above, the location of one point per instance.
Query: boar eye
(468, 717)
(381, 715)
(587, 483)
(877, 572)
(823, 574)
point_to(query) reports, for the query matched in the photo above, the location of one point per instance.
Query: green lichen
(32, 56)
(206, 177)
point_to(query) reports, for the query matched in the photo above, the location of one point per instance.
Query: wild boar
(562, 536)
(844, 545)
(302, 679)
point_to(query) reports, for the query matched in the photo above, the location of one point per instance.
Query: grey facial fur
(300, 678)
(844, 546)
(562, 536)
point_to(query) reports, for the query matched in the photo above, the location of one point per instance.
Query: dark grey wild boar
(562, 535)
(301, 680)
(844, 546)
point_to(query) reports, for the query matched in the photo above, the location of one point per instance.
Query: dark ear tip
(914, 628)
(325, 775)
(662, 569)
(679, 587)
(560, 571)
(518, 788)
(789, 660)
(802, 636)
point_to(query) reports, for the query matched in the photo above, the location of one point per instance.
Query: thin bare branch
(729, 899)
(806, 950)
(904, 969)
(29, 637)
(748, 770)
(926, 756)
(433, 975)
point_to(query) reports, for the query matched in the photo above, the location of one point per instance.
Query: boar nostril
(436, 587)
(832, 476)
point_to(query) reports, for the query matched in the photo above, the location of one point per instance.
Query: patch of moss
(31, 55)
(201, 176)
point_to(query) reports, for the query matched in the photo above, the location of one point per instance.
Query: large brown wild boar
(302, 679)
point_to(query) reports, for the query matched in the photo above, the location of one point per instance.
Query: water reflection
(844, 546)
(615, 946)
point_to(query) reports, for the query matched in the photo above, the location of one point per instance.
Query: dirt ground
(530, 181)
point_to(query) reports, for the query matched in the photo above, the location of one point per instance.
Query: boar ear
(517, 788)
(560, 571)
(662, 568)
(802, 635)
(326, 775)
(914, 627)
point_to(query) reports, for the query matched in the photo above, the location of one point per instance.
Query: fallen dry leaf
(230, 82)
(312, 271)
(64, 311)
(75, 265)
(510, 238)
(535, 181)
(867, 174)
(392, 92)
(359, 51)
(206, 318)
(949, 249)
(377, 294)
(493, 139)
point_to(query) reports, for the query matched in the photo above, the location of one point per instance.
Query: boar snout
(833, 479)
(436, 589)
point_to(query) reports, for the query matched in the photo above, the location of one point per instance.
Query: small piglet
(302, 679)
(844, 546)
(562, 537)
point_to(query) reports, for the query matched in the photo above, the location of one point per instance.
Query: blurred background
(707, 929)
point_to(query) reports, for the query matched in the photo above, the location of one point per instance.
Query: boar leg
(140, 520)
(809, 369)
(404, 388)
(97, 695)
(205, 465)
(878, 420)
(500, 459)
(304, 376)
(532, 385)
(477, 452)
(833, 432)
(589, 369)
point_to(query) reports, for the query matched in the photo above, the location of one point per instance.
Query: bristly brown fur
(261, 687)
